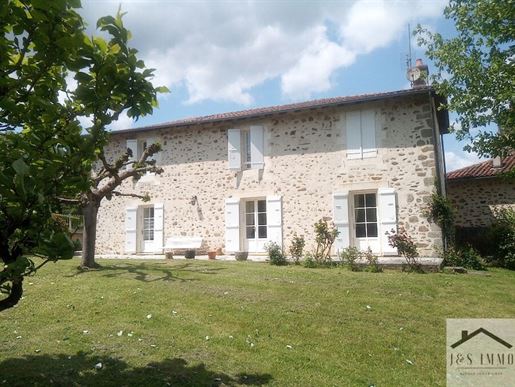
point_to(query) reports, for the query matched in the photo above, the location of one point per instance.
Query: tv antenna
(412, 73)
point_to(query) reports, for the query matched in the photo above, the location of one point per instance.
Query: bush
(503, 230)
(309, 261)
(325, 235)
(275, 254)
(406, 247)
(297, 248)
(372, 262)
(350, 256)
(466, 257)
(441, 212)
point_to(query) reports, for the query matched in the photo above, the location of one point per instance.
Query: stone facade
(305, 162)
(475, 200)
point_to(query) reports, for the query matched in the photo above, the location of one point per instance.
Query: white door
(256, 230)
(365, 221)
(148, 230)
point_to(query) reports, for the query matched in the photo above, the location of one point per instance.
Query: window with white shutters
(137, 148)
(246, 148)
(361, 134)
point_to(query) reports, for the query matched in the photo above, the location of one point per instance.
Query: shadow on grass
(152, 271)
(79, 370)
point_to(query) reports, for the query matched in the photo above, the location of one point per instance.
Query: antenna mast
(408, 58)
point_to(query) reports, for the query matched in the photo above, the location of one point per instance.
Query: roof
(483, 170)
(294, 107)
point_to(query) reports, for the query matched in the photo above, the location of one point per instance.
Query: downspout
(441, 187)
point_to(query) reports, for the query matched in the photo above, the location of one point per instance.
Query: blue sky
(218, 56)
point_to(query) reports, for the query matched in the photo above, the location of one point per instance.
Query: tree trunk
(89, 235)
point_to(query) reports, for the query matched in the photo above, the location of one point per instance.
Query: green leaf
(101, 43)
(20, 167)
(162, 89)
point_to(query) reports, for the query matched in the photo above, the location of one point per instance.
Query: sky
(219, 56)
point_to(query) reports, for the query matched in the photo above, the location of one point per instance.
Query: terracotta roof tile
(293, 107)
(484, 169)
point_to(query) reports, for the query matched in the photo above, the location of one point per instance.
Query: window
(255, 219)
(365, 215)
(361, 134)
(138, 147)
(148, 223)
(245, 148)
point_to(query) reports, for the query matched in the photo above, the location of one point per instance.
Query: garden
(190, 322)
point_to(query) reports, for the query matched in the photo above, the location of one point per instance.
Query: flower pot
(189, 254)
(242, 255)
(211, 254)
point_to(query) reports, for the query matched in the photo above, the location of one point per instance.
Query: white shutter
(353, 126)
(341, 219)
(274, 219)
(130, 229)
(158, 227)
(387, 218)
(232, 225)
(133, 146)
(234, 149)
(257, 142)
(368, 133)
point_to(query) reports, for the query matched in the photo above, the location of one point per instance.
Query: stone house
(239, 180)
(478, 190)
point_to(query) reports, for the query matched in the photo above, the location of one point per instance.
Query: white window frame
(246, 154)
(365, 208)
(151, 221)
(356, 241)
(256, 213)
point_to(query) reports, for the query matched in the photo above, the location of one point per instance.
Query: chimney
(424, 73)
(464, 335)
(497, 162)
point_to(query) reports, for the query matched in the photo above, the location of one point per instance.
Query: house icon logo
(480, 352)
(465, 336)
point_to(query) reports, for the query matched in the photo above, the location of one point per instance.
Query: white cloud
(314, 67)
(123, 122)
(457, 160)
(221, 50)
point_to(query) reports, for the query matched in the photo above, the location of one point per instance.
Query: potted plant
(211, 254)
(242, 255)
(189, 254)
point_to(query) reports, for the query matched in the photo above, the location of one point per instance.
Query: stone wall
(475, 200)
(305, 163)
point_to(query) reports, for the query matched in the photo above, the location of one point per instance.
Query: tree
(476, 71)
(112, 80)
(46, 154)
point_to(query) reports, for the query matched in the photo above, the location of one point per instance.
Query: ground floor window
(255, 219)
(148, 223)
(365, 215)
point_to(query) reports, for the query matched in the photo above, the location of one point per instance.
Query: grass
(238, 323)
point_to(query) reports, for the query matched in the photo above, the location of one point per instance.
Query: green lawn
(238, 323)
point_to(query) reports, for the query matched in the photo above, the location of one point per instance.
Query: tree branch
(132, 195)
